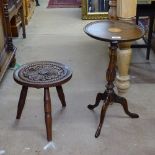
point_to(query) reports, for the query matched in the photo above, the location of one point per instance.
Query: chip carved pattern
(43, 72)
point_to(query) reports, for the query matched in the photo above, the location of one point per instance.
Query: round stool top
(42, 74)
(112, 30)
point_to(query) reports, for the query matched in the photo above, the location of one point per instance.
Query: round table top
(113, 30)
(41, 74)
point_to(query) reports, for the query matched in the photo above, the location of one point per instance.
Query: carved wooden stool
(42, 74)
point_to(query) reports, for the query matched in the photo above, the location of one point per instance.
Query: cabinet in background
(7, 49)
(16, 16)
(9, 9)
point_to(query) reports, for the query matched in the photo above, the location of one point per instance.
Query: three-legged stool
(42, 74)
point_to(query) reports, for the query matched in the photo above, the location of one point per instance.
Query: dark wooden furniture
(15, 16)
(7, 49)
(37, 3)
(42, 74)
(114, 32)
(8, 12)
(146, 10)
(153, 42)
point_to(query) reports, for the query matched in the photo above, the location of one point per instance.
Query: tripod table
(114, 32)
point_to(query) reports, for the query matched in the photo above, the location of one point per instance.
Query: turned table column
(126, 10)
(123, 10)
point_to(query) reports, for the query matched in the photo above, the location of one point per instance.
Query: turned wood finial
(112, 14)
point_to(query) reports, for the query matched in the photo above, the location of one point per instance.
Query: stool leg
(21, 102)
(61, 95)
(48, 117)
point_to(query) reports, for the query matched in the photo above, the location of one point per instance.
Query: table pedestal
(109, 95)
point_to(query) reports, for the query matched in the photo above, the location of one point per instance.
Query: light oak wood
(126, 10)
(29, 7)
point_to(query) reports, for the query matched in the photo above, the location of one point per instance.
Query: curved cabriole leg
(48, 117)
(21, 102)
(124, 103)
(99, 97)
(102, 116)
(61, 95)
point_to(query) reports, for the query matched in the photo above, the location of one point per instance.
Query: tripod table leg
(103, 112)
(123, 102)
(99, 97)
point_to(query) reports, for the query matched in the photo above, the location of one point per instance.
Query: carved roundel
(43, 72)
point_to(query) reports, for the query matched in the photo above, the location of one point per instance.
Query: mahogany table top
(113, 30)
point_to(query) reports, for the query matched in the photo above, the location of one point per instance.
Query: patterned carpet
(64, 4)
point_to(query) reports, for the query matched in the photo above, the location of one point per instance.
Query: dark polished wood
(16, 8)
(7, 49)
(42, 74)
(8, 12)
(37, 3)
(113, 32)
(153, 42)
(61, 95)
(21, 102)
(48, 117)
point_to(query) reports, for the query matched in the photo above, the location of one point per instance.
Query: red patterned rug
(64, 4)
